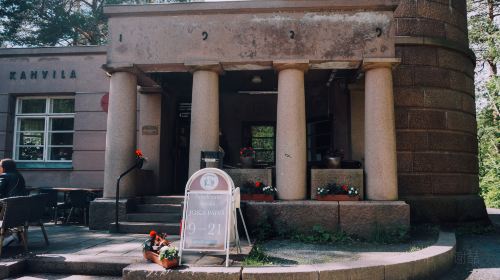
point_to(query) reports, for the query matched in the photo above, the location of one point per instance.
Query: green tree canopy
(57, 22)
(484, 35)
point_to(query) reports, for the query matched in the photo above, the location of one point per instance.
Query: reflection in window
(44, 129)
(263, 138)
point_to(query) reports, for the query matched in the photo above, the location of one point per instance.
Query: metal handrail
(138, 165)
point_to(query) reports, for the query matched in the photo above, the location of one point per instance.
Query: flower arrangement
(247, 152)
(159, 250)
(337, 189)
(258, 187)
(257, 191)
(139, 159)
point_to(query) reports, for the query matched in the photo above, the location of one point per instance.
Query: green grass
(257, 257)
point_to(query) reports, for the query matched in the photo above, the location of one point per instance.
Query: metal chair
(37, 207)
(79, 199)
(15, 214)
(53, 202)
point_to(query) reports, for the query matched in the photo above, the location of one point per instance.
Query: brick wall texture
(434, 102)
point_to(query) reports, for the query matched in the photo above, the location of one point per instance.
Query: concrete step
(155, 217)
(43, 276)
(159, 208)
(104, 265)
(171, 199)
(145, 227)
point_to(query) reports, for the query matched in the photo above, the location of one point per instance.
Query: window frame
(47, 116)
(248, 127)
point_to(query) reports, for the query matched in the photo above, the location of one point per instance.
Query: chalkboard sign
(207, 211)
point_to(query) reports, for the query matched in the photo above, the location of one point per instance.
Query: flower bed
(257, 191)
(337, 197)
(336, 192)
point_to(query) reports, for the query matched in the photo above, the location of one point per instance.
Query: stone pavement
(478, 255)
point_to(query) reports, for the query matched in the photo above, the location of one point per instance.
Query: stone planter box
(257, 197)
(153, 257)
(321, 177)
(240, 176)
(337, 197)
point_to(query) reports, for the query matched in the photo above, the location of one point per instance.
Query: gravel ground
(290, 252)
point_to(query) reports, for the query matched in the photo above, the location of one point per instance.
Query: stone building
(388, 83)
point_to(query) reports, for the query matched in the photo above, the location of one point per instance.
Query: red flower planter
(153, 257)
(337, 197)
(257, 197)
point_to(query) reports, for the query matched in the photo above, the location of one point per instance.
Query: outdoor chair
(37, 207)
(53, 203)
(14, 214)
(81, 200)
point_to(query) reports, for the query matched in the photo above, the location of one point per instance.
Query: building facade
(386, 83)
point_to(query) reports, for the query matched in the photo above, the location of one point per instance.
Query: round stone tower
(435, 112)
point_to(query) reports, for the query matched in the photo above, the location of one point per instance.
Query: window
(262, 139)
(44, 129)
(319, 139)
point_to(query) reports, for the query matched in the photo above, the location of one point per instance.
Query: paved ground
(79, 240)
(478, 255)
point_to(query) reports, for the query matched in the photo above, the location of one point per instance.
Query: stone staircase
(159, 213)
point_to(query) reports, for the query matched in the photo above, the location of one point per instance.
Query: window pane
(32, 124)
(63, 105)
(262, 131)
(30, 153)
(264, 156)
(32, 106)
(30, 138)
(61, 139)
(61, 153)
(263, 143)
(61, 124)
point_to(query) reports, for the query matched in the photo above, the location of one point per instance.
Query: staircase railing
(139, 161)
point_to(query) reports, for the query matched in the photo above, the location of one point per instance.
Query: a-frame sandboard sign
(208, 208)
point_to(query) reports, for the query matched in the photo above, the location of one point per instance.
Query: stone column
(121, 134)
(204, 134)
(380, 132)
(291, 158)
(149, 137)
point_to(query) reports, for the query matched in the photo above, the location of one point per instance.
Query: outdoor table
(66, 190)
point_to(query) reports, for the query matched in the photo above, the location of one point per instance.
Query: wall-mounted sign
(150, 130)
(42, 75)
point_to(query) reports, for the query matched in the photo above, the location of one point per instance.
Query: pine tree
(484, 35)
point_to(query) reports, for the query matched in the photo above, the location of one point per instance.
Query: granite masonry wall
(435, 112)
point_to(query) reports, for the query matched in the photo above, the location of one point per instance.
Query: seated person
(11, 184)
(11, 181)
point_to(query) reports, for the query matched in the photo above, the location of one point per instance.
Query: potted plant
(336, 192)
(257, 191)
(247, 156)
(159, 250)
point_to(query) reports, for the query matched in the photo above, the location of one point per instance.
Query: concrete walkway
(478, 255)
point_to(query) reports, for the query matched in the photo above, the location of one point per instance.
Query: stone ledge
(292, 215)
(361, 218)
(102, 212)
(424, 264)
(11, 267)
(366, 218)
(153, 271)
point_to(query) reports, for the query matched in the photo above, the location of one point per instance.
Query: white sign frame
(229, 208)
